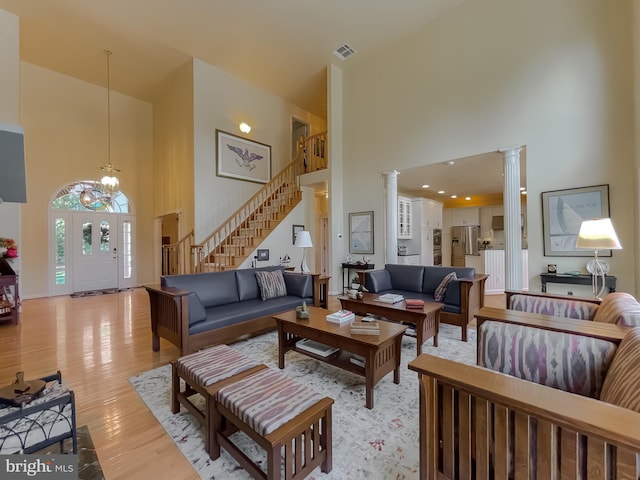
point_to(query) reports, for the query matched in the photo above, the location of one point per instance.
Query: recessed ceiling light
(450, 162)
(440, 191)
(454, 196)
(467, 198)
(425, 186)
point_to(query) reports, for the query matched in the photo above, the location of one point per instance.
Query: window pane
(87, 239)
(127, 255)
(104, 237)
(61, 264)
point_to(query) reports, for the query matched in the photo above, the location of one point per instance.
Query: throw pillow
(271, 284)
(622, 383)
(441, 291)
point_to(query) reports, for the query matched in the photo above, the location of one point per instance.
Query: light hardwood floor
(99, 343)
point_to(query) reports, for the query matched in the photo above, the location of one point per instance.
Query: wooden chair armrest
(605, 331)
(583, 414)
(551, 296)
(477, 278)
(170, 291)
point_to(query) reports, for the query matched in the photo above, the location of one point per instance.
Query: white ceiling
(479, 177)
(282, 46)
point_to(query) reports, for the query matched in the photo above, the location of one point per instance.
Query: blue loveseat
(203, 309)
(464, 295)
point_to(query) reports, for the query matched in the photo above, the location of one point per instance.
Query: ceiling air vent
(344, 51)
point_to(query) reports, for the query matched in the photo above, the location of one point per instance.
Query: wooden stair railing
(315, 154)
(233, 241)
(175, 256)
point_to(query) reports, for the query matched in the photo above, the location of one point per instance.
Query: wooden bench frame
(205, 416)
(310, 431)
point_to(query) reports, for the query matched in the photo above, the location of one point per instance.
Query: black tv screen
(13, 185)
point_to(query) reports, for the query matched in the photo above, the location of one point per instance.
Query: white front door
(95, 251)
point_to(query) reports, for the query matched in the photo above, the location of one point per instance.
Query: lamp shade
(303, 239)
(598, 234)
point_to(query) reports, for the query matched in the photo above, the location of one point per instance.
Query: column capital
(512, 150)
(391, 173)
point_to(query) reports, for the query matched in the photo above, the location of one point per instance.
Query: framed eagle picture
(242, 159)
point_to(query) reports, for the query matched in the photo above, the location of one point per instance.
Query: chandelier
(99, 196)
(109, 182)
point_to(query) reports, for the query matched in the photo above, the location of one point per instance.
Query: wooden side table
(9, 299)
(320, 290)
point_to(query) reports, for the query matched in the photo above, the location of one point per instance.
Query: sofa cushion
(557, 307)
(406, 277)
(622, 385)
(298, 284)
(569, 362)
(378, 281)
(620, 308)
(248, 288)
(434, 275)
(271, 284)
(232, 314)
(440, 292)
(213, 288)
(197, 313)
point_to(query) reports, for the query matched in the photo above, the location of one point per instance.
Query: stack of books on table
(390, 298)
(357, 360)
(368, 327)
(414, 303)
(341, 316)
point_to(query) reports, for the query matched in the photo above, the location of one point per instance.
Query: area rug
(93, 293)
(381, 443)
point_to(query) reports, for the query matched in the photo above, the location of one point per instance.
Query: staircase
(234, 241)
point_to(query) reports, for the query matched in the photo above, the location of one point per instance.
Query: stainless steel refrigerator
(464, 241)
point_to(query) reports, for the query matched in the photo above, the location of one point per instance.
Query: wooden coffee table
(381, 353)
(426, 320)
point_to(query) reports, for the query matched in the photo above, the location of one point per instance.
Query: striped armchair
(553, 399)
(618, 307)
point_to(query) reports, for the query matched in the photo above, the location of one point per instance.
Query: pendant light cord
(108, 53)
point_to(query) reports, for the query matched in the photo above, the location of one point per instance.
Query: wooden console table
(346, 267)
(9, 299)
(610, 280)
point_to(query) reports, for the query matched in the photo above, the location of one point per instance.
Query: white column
(512, 219)
(391, 230)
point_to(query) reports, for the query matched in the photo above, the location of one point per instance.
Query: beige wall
(222, 101)
(65, 126)
(554, 76)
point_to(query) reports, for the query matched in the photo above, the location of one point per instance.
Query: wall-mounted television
(13, 183)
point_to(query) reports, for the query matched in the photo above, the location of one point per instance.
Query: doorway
(298, 129)
(90, 247)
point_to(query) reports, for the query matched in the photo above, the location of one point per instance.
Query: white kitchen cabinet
(486, 217)
(408, 259)
(404, 218)
(431, 213)
(465, 216)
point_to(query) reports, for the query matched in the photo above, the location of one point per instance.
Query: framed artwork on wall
(263, 254)
(562, 214)
(242, 159)
(361, 232)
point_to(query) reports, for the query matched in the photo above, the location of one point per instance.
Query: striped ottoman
(291, 422)
(204, 372)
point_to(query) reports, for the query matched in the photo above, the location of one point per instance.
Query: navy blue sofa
(463, 298)
(203, 309)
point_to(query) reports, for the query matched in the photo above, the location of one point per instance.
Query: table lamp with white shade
(303, 240)
(598, 234)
